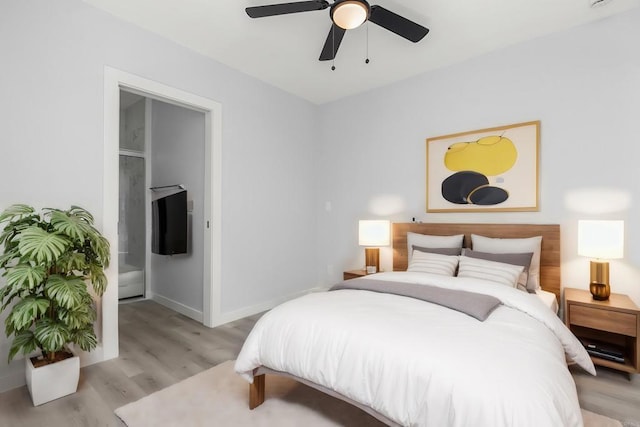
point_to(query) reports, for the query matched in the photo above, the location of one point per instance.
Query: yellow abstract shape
(491, 155)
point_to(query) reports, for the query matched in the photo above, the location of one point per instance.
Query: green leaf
(24, 340)
(67, 292)
(13, 228)
(75, 227)
(70, 261)
(100, 246)
(77, 319)
(8, 256)
(52, 335)
(85, 338)
(81, 213)
(27, 311)
(98, 279)
(41, 246)
(21, 280)
(25, 276)
(14, 211)
(8, 327)
(7, 295)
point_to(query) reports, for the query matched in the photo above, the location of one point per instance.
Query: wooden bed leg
(256, 392)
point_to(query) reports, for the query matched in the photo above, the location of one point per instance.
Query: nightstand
(353, 274)
(612, 322)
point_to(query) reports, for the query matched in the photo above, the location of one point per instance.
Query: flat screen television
(169, 224)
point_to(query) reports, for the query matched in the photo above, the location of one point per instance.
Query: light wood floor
(159, 347)
(611, 393)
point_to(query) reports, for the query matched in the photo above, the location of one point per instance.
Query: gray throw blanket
(475, 305)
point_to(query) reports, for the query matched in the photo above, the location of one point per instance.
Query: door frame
(114, 80)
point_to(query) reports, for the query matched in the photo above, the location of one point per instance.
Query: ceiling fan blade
(397, 24)
(284, 8)
(332, 43)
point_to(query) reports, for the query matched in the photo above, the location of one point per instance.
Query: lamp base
(600, 291)
(599, 285)
(372, 260)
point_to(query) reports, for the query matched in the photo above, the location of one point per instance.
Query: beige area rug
(219, 397)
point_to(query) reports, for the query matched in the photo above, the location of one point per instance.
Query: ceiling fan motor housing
(350, 13)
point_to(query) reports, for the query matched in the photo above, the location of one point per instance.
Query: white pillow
(505, 246)
(498, 272)
(431, 241)
(427, 262)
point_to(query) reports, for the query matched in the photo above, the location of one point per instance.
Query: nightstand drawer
(604, 320)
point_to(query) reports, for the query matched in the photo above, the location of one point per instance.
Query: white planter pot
(53, 381)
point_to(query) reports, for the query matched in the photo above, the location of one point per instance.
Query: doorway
(116, 80)
(133, 198)
(131, 227)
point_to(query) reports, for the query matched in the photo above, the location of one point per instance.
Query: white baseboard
(259, 308)
(178, 306)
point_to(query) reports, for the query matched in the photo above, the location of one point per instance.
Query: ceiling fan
(346, 15)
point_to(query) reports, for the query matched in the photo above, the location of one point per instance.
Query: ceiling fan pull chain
(366, 61)
(333, 47)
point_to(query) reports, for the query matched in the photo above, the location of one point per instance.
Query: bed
(411, 362)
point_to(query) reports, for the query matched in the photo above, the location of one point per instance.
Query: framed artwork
(493, 169)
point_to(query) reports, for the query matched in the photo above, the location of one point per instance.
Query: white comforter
(421, 364)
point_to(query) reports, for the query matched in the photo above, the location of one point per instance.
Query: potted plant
(48, 262)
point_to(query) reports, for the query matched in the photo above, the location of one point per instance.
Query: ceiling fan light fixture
(349, 14)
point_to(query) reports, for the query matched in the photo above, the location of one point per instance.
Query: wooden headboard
(549, 257)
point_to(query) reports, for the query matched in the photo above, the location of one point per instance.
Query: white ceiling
(283, 50)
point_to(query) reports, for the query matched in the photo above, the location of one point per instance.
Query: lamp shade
(349, 14)
(374, 232)
(601, 239)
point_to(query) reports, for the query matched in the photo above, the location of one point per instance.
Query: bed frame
(549, 278)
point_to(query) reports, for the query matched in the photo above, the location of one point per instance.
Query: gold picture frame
(486, 170)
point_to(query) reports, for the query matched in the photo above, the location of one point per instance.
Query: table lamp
(603, 240)
(371, 235)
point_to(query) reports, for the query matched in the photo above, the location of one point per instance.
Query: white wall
(177, 157)
(51, 105)
(584, 86)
